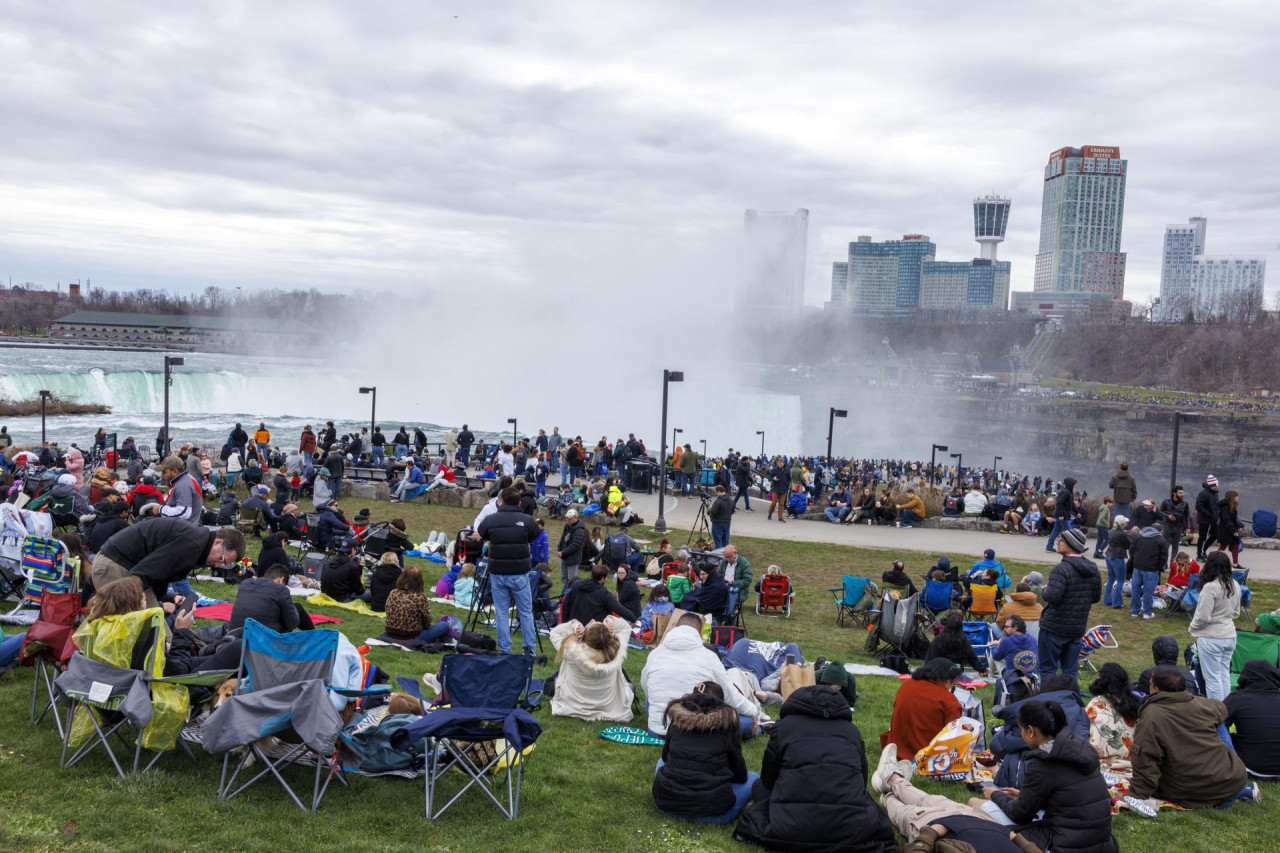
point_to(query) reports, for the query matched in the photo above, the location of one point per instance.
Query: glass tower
(1081, 219)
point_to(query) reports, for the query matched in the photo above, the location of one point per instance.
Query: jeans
(1215, 665)
(378, 455)
(464, 454)
(908, 517)
(1104, 536)
(402, 450)
(1058, 652)
(742, 493)
(1059, 525)
(1246, 791)
(411, 492)
(540, 488)
(1111, 596)
(507, 588)
(335, 486)
(741, 795)
(1121, 509)
(568, 574)
(434, 634)
(183, 588)
(836, 513)
(635, 560)
(1142, 589)
(720, 534)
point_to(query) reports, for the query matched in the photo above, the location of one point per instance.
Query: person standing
(779, 477)
(1103, 524)
(1206, 516)
(1074, 586)
(1063, 508)
(307, 447)
(743, 480)
(466, 438)
(572, 539)
(1228, 533)
(1117, 558)
(401, 442)
(378, 448)
(688, 470)
(1148, 557)
(335, 465)
(720, 514)
(510, 533)
(1214, 624)
(1124, 489)
(1175, 514)
(239, 442)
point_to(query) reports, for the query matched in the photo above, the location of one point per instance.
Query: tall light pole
(933, 461)
(170, 362)
(760, 433)
(831, 426)
(995, 466)
(959, 457)
(373, 411)
(704, 449)
(668, 376)
(1178, 418)
(514, 426)
(45, 395)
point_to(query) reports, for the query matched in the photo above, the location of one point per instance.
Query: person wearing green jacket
(688, 470)
(1104, 527)
(736, 571)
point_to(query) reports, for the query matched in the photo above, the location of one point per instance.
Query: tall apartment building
(776, 245)
(965, 285)
(1081, 221)
(1204, 287)
(881, 279)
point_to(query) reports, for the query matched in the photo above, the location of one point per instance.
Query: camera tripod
(701, 525)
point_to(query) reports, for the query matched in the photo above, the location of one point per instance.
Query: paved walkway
(681, 512)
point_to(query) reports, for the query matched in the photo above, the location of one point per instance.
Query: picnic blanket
(222, 613)
(631, 736)
(358, 606)
(23, 616)
(450, 602)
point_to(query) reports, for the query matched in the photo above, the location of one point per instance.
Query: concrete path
(960, 545)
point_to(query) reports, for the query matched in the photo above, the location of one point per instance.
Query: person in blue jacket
(989, 561)
(1007, 743)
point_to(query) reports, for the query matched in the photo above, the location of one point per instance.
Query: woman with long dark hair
(1062, 779)
(1113, 712)
(1229, 526)
(951, 643)
(1214, 622)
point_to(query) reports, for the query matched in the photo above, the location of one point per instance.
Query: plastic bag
(950, 754)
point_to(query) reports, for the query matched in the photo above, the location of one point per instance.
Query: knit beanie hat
(1075, 538)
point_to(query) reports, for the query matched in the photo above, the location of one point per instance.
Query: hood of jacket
(1069, 484)
(1069, 749)
(1261, 676)
(682, 638)
(1083, 566)
(1164, 651)
(943, 564)
(1025, 598)
(817, 700)
(1149, 532)
(722, 719)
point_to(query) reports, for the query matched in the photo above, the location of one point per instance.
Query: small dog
(222, 693)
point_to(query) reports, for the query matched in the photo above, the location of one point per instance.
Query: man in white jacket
(680, 663)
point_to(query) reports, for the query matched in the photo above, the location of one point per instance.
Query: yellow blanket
(322, 600)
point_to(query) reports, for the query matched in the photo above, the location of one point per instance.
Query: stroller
(900, 627)
(775, 595)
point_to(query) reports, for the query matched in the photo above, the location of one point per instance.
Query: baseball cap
(989, 554)
(573, 513)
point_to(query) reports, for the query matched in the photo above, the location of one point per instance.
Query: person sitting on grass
(659, 603)
(681, 662)
(1178, 754)
(464, 588)
(591, 684)
(923, 706)
(1164, 652)
(701, 775)
(1112, 713)
(589, 599)
(711, 596)
(266, 599)
(682, 583)
(1007, 743)
(1253, 710)
(952, 644)
(409, 620)
(927, 819)
(382, 580)
(1063, 803)
(812, 792)
(342, 579)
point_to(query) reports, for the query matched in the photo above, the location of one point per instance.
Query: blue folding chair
(979, 636)
(283, 691)
(483, 693)
(854, 601)
(937, 601)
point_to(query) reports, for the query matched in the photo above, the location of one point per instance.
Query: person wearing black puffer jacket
(812, 793)
(1007, 743)
(1064, 507)
(701, 775)
(1062, 778)
(509, 533)
(1074, 587)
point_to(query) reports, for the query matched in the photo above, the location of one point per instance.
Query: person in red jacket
(923, 707)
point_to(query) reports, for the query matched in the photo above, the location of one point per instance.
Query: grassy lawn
(581, 792)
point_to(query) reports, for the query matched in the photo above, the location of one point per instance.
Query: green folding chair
(1253, 646)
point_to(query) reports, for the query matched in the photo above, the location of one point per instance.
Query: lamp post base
(660, 525)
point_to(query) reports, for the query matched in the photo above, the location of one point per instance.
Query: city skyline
(404, 147)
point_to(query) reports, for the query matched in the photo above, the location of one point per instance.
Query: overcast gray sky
(506, 146)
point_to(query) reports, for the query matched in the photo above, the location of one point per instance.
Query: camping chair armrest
(207, 678)
(360, 692)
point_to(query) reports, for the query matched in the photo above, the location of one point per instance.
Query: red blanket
(222, 613)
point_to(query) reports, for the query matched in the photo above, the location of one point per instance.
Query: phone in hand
(188, 604)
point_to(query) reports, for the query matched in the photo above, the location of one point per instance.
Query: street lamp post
(760, 433)
(45, 395)
(170, 362)
(704, 449)
(831, 426)
(373, 411)
(1178, 418)
(959, 457)
(514, 430)
(995, 468)
(668, 376)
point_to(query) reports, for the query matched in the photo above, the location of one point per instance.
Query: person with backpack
(812, 792)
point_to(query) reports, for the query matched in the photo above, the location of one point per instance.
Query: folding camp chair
(47, 649)
(1181, 599)
(47, 567)
(675, 567)
(1246, 595)
(900, 625)
(283, 691)
(899, 591)
(936, 601)
(854, 601)
(775, 596)
(483, 692)
(1095, 639)
(108, 697)
(980, 637)
(1252, 645)
(984, 604)
(732, 614)
(62, 510)
(12, 581)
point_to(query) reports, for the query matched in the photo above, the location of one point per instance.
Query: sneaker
(1255, 793)
(1148, 616)
(1146, 808)
(906, 768)
(819, 663)
(905, 526)
(1134, 615)
(887, 767)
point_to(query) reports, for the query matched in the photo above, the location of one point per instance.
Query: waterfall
(143, 391)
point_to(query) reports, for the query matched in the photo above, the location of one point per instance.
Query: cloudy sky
(518, 147)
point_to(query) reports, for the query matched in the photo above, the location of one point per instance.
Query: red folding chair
(775, 596)
(47, 649)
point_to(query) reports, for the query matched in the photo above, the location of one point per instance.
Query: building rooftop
(178, 321)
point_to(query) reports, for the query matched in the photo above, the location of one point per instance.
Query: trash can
(642, 474)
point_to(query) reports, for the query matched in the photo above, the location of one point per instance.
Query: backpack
(615, 548)
(951, 504)
(477, 640)
(896, 661)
